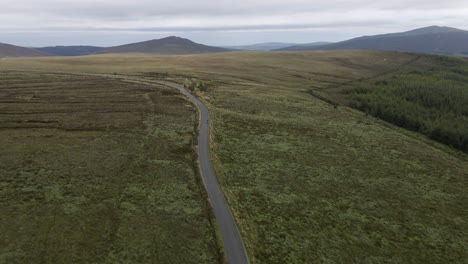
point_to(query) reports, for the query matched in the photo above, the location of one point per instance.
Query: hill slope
(267, 46)
(424, 40)
(70, 50)
(7, 50)
(304, 46)
(169, 45)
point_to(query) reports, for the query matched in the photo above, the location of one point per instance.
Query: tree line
(432, 102)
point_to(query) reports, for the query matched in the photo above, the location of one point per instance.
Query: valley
(308, 180)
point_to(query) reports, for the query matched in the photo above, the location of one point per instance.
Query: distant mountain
(432, 39)
(169, 45)
(7, 50)
(303, 46)
(267, 46)
(70, 50)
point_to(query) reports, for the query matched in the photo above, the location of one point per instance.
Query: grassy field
(95, 170)
(310, 181)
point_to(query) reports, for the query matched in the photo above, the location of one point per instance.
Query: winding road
(233, 246)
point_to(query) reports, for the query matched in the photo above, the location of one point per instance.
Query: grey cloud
(162, 8)
(159, 16)
(343, 25)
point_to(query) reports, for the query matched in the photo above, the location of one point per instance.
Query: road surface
(233, 246)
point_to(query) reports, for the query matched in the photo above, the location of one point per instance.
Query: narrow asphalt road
(233, 246)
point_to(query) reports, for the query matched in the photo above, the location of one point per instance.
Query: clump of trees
(434, 103)
(195, 85)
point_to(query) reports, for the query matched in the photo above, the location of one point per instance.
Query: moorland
(307, 146)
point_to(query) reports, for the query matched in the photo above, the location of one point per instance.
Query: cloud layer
(210, 19)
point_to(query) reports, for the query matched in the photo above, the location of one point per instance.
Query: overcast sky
(217, 22)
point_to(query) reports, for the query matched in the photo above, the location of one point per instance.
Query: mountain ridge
(80, 50)
(170, 46)
(264, 46)
(433, 39)
(8, 50)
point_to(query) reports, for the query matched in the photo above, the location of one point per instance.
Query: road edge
(239, 256)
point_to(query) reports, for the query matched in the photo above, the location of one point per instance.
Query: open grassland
(95, 170)
(310, 181)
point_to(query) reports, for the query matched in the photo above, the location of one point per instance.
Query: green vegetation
(195, 85)
(96, 170)
(433, 102)
(309, 182)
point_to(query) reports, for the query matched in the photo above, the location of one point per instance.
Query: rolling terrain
(7, 50)
(308, 180)
(303, 46)
(169, 45)
(70, 50)
(267, 46)
(443, 40)
(98, 170)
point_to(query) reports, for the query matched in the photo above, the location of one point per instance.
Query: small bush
(195, 85)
